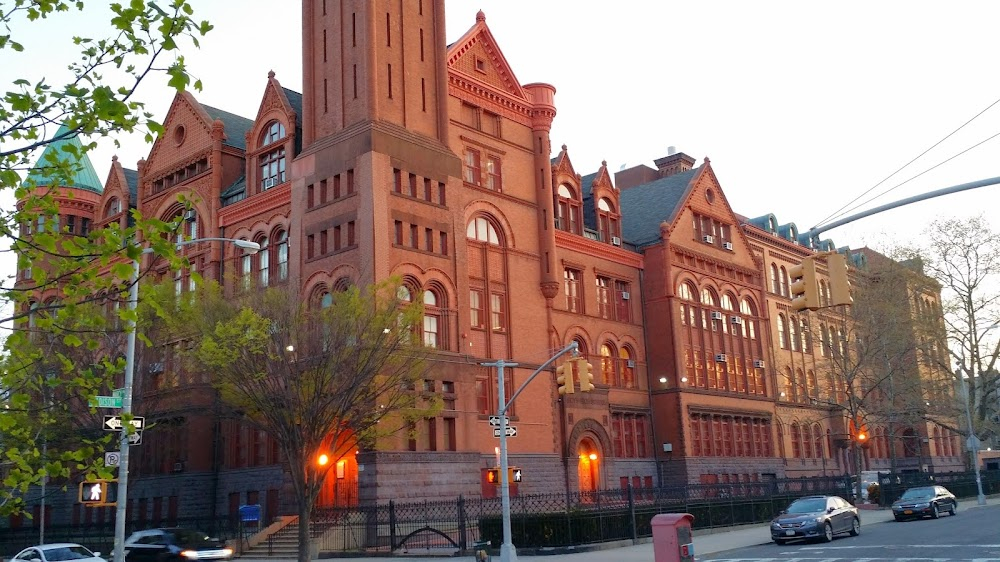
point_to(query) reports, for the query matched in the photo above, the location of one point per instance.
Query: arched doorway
(589, 466)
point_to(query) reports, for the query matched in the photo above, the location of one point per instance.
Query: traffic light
(805, 292)
(586, 375)
(99, 493)
(515, 475)
(493, 476)
(840, 285)
(564, 377)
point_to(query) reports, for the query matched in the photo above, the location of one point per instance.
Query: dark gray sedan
(924, 501)
(816, 517)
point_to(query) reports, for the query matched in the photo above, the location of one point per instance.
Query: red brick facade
(407, 156)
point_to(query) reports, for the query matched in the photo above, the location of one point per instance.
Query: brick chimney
(673, 163)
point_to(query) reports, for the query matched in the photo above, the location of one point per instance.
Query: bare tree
(326, 379)
(964, 256)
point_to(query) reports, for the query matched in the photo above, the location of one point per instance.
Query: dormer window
(114, 207)
(272, 162)
(568, 210)
(608, 225)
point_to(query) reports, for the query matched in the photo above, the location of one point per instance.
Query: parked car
(58, 552)
(173, 545)
(925, 500)
(815, 517)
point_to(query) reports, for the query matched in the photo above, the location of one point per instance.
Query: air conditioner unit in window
(616, 241)
(625, 295)
(708, 239)
(716, 315)
(728, 246)
(178, 467)
(270, 182)
(190, 215)
(630, 364)
(155, 368)
(735, 320)
(720, 358)
(758, 363)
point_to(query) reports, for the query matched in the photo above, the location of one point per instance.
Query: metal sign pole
(507, 551)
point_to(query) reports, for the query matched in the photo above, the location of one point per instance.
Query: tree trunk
(305, 540)
(857, 472)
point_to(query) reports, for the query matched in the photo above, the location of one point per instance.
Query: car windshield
(918, 493)
(188, 538)
(811, 505)
(62, 553)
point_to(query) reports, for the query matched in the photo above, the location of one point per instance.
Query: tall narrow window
(282, 252)
(272, 162)
(493, 176)
(571, 282)
(432, 319)
(471, 168)
(265, 261)
(498, 312)
(623, 298)
(476, 308)
(603, 297)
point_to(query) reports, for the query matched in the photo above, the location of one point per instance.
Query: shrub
(873, 493)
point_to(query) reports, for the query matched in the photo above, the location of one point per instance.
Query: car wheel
(900, 519)
(934, 511)
(827, 532)
(855, 527)
(954, 508)
(780, 542)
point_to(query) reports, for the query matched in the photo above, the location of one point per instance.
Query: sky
(802, 107)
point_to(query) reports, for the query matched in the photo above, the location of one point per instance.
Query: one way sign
(511, 431)
(114, 423)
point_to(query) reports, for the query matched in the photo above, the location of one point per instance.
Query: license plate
(908, 512)
(790, 533)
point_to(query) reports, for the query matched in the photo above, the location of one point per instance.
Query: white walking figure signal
(95, 492)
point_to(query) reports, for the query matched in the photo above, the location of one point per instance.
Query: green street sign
(118, 393)
(106, 402)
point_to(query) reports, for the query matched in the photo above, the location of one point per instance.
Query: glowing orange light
(593, 456)
(322, 460)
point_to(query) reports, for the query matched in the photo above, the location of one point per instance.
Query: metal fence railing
(537, 520)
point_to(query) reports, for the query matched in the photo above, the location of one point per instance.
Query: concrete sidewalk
(706, 541)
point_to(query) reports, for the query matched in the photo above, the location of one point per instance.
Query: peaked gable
(477, 55)
(280, 99)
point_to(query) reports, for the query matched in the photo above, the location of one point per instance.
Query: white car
(58, 552)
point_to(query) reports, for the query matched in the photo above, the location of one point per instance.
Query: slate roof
(84, 176)
(132, 181)
(295, 100)
(234, 193)
(587, 185)
(645, 206)
(236, 127)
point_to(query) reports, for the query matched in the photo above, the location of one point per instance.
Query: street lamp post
(133, 301)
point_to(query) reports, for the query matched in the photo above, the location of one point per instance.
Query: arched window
(246, 269)
(727, 302)
(784, 282)
(807, 441)
(272, 162)
(432, 319)
(782, 335)
(824, 341)
(113, 208)
(796, 441)
(749, 312)
(804, 333)
(482, 230)
(608, 364)
(686, 295)
(607, 221)
(264, 261)
(282, 255)
(813, 384)
(627, 367)
(567, 210)
(803, 385)
(793, 333)
(326, 300)
(775, 279)
(818, 442)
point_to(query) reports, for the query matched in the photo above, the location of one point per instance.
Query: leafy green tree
(323, 379)
(46, 361)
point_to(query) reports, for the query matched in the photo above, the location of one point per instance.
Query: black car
(174, 545)
(816, 517)
(925, 500)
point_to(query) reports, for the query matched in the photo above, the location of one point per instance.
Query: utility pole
(508, 553)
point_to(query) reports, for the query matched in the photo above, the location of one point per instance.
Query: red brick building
(408, 156)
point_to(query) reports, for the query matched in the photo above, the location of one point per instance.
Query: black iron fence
(537, 520)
